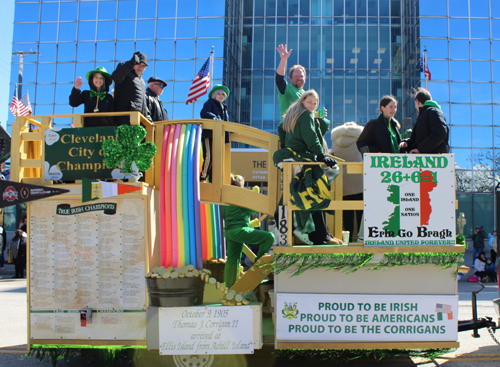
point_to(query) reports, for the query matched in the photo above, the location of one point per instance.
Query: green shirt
(292, 93)
(235, 216)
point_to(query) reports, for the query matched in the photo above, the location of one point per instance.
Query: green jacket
(324, 125)
(235, 216)
(306, 137)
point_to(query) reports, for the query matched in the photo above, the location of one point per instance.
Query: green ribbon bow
(101, 95)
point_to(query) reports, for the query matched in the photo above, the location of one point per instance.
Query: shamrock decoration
(128, 148)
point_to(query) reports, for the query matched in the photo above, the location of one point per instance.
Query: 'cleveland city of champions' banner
(409, 199)
(71, 154)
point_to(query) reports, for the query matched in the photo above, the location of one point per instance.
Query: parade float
(395, 290)
(93, 254)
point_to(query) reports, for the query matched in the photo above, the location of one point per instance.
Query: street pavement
(482, 351)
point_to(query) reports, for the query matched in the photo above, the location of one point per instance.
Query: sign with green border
(71, 154)
(366, 317)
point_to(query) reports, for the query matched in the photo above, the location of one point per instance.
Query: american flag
(443, 308)
(424, 67)
(15, 104)
(25, 106)
(200, 83)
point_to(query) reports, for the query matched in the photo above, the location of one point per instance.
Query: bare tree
(481, 178)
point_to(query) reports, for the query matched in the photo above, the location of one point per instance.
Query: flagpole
(17, 107)
(425, 68)
(21, 64)
(211, 69)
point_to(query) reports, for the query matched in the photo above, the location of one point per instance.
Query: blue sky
(6, 27)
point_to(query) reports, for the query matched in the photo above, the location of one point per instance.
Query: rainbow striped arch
(190, 232)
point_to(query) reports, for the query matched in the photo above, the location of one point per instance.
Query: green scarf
(394, 138)
(432, 104)
(101, 95)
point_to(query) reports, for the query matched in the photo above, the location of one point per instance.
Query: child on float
(213, 109)
(238, 229)
(304, 134)
(97, 99)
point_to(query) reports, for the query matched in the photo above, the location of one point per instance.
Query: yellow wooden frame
(28, 151)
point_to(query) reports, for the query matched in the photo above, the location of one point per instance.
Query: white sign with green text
(366, 317)
(409, 199)
(206, 330)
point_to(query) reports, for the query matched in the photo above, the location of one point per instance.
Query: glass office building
(72, 37)
(354, 53)
(463, 42)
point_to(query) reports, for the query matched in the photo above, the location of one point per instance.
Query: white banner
(365, 317)
(409, 199)
(206, 330)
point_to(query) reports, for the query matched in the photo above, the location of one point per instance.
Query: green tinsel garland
(443, 259)
(347, 355)
(128, 148)
(106, 355)
(348, 263)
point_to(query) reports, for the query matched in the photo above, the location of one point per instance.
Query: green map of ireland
(393, 224)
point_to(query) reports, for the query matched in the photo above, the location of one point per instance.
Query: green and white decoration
(127, 151)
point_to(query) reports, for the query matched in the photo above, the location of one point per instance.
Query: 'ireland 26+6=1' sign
(409, 199)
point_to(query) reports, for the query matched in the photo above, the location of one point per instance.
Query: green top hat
(218, 87)
(104, 73)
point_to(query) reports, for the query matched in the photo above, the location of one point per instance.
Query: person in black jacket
(18, 252)
(97, 99)
(213, 109)
(381, 135)
(155, 105)
(430, 133)
(130, 89)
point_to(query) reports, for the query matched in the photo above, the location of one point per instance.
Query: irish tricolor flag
(95, 190)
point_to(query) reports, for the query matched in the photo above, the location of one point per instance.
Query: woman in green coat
(238, 230)
(304, 135)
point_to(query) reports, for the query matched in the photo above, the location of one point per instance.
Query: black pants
(491, 274)
(320, 235)
(206, 148)
(348, 216)
(20, 270)
(493, 256)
